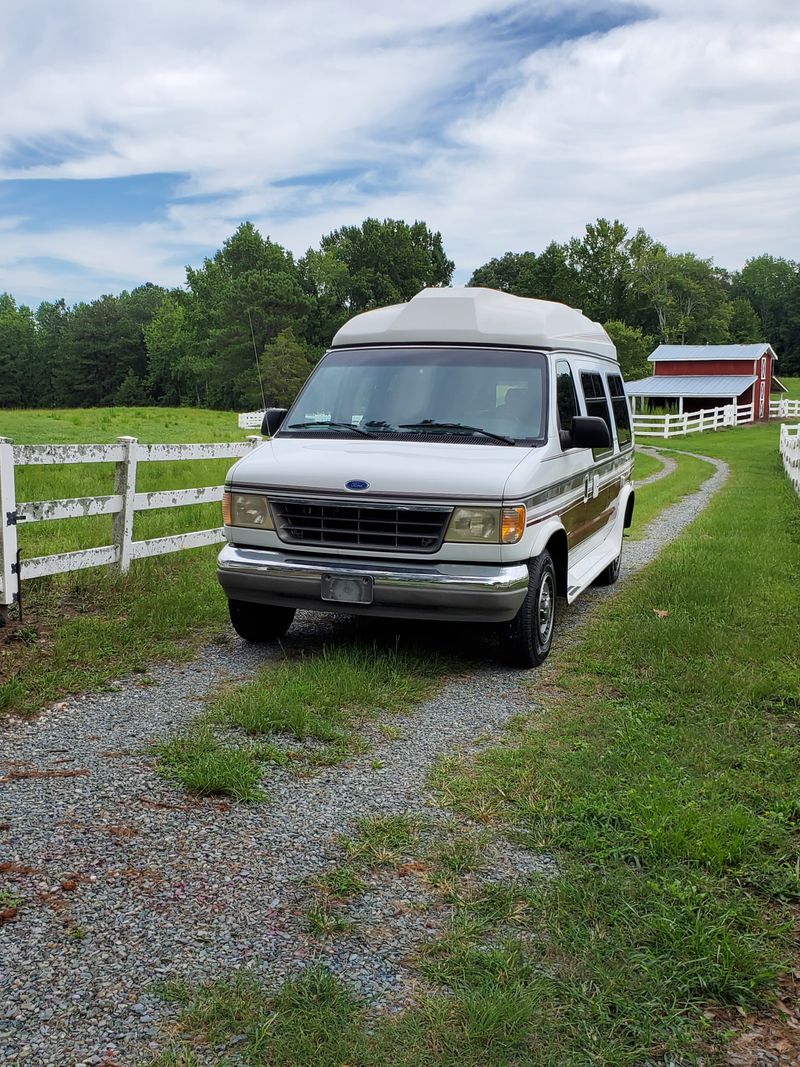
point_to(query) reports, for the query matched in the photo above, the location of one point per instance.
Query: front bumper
(454, 592)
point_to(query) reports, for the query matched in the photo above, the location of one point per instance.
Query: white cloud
(686, 122)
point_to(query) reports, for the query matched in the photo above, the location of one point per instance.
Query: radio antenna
(255, 356)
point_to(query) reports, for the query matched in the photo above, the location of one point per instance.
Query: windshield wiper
(331, 425)
(429, 424)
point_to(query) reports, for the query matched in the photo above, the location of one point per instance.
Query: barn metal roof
(672, 353)
(477, 316)
(724, 385)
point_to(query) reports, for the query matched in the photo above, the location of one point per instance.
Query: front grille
(388, 526)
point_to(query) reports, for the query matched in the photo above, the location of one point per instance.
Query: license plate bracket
(345, 590)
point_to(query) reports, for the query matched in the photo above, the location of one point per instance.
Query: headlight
(246, 509)
(474, 524)
(487, 525)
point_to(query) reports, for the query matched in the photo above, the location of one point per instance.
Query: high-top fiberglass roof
(477, 316)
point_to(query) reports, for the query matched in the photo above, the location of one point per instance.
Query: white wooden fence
(709, 419)
(692, 421)
(250, 420)
(784, 409)
(122, 504)
(790, 453)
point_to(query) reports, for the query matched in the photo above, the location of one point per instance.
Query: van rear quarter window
(622, 415)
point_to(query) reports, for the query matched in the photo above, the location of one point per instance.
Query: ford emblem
(356, 484)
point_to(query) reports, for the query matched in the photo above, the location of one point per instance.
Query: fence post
(124, 486)
(9, 570)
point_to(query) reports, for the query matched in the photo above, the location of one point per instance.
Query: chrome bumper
(455, 592)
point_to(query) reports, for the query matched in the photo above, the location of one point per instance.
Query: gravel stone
(668, 465)
(166, 886)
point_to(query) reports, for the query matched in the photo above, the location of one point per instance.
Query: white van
(462, 457)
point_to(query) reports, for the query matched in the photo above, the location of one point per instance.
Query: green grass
(318, 697)
(203, 764)
(312, 1021)
(644, 466)
(382, 840)
(659, 767)
(460, 852)
(104, 425)
(85, 628)
(341, 882)
(322, 919)
(321, 698)
(792, 388)
(652, 499)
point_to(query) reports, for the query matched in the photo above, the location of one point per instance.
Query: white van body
(359, 504)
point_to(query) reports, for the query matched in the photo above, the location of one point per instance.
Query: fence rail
(692, 422)
(790, 453)
(122, 504)
(784, 409)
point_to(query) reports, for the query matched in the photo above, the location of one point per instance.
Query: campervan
(463, 457)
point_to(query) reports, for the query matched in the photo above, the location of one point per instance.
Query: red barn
(698, 377)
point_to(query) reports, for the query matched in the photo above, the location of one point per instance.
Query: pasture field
(657, 763)
(82, 629)
(792, 386)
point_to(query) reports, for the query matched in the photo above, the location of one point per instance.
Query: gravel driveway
(124, 882)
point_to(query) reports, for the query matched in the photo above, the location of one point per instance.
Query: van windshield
(484, 394)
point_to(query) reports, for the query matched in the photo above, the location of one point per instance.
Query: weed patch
(203, 764)
(318, 699)
(382, 840)
(342, 882)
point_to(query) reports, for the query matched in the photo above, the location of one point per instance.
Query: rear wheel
(610, 574)
(259, 623)
(526, 640)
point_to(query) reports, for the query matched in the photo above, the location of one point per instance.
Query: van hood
(390, 468)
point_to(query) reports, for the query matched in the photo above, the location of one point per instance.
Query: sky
(135, 138)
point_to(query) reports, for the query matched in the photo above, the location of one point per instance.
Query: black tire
(526, 640)
(610, 574)
(259, 623)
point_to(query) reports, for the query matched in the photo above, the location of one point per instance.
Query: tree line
(252, 321)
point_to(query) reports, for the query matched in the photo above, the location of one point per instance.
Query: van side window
(596, 404)
(619, 405)
(566, 402)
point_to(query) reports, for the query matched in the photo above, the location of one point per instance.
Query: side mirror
(589, 431)
(272, 421)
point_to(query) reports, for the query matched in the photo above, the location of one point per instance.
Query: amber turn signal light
(513, 525)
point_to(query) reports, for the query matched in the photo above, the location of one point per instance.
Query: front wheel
(526, 640)
(259, 623)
